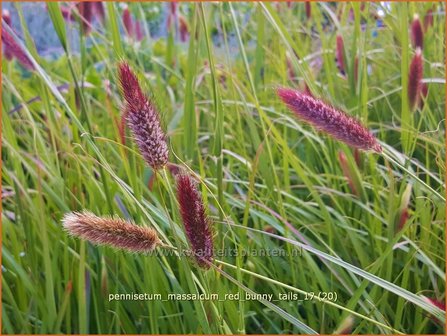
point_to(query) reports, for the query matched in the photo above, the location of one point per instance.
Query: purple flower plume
(328, 119)
(98, 9)
(139, 33)
(417, 35)
(114, 232)
(340, 54)
(308, 10)
(6, 16)
(428, 19)
(415, 79)
(195, 220)
(86, 12)
(13, 49)
(143, 119)
(128, 22)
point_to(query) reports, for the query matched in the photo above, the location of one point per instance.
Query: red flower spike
(98, 9)
(6, 16)
(139, 34)
(183, 27)
(127, 22)
(195, 220)
(85, 10)
(111, 231)
(13, 49)
(415, 79)
(428, 19)
(308, 9)
(143, 120)
(417, 35)
(340, 54)
(328, 119)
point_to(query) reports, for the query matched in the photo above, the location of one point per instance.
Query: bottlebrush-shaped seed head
(345, 327)
(114, 232)
(340, 56)
(127, 22)
(436, 302)
(183, 27)
(428, 19)
(328, 119)
(139, 34)
(85, 10)
(66, 13)
(98, 9)
(13, 49)
(440, 303)
(195, 220)
(308, 10)
(143, 120)
(415, 79)
(173, 6)
(417, 35)
(6, 16)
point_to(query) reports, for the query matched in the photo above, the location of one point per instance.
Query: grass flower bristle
(308, 10)
(340, 54)
(417, 35)
(6, 16)
(111, 231)
(127, 22)
(195, 220)
(13, 50)
(415, 80)
(85, 10)
(428, 19)
(143, 120)
(328, 119)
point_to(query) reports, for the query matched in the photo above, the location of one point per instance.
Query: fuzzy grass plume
(127, 22)
(13, 50)
(85, 10)
(340, 55)
(428, 19)
(111, 231)
(6, 16)
(308, 10)
(415, 79)
(139, 33)
(143, 119)
(328, 119)
(195, 220)
(417, 34)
